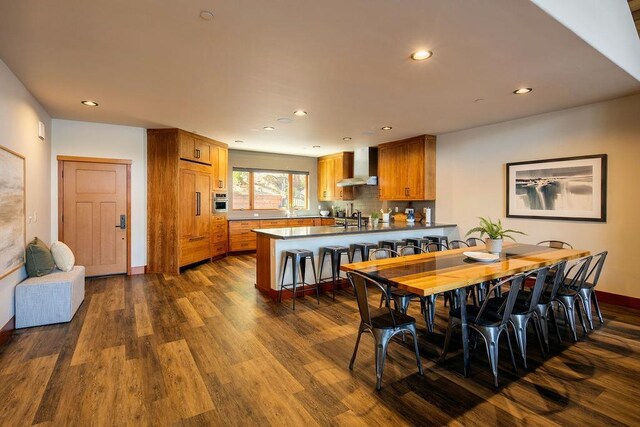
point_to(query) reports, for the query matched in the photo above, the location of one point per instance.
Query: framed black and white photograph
(570, 188)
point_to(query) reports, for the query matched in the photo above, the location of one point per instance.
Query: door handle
(197, 203)
(123, 222)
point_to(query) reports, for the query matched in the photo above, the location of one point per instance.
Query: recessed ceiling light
(316, 146)
(522, 90)
(207, 15)
(239, 141)
(386, 128)
(89, 103)
(269, 128)
(285, 120)
(346, 138)
(421, 55)
(300, 113)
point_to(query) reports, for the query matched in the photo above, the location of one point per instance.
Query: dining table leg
(462, 298)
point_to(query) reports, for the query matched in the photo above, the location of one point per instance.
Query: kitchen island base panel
(269, 251)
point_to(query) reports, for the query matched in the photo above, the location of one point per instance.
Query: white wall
(19, 117)
(254, 159)
(471, 179)
(84, 139)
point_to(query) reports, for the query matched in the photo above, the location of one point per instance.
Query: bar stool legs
(298, 259)
(335, 254)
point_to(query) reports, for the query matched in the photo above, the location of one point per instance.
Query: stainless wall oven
(220, 203)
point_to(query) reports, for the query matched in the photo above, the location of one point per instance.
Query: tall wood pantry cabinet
(407, 169)
(184, 170)
(331, 169)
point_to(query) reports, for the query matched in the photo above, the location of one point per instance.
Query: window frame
(251, 181)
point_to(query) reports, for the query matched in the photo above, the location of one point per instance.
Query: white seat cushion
(62, 256)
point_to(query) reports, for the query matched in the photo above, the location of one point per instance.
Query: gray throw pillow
(39, 259)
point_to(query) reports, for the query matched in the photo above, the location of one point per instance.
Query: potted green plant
(375, 218)
(495, 234)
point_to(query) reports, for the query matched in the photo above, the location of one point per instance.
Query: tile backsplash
(366, 201)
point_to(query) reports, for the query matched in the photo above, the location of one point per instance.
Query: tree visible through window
(269, 189)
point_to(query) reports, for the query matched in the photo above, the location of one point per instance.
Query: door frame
(61, 160)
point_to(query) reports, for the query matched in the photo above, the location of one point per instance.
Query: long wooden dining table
(450, 270)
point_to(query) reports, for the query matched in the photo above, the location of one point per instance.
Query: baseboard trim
(325, 288)
(138, 270)
(7, 330)
(621, 300)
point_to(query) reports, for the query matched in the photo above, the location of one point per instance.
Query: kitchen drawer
(235, 246)
(274, 223)
(307, 222)
(218, 237)
(243, 225)
(242, 236)
(222, 219)
(194, 250)
(219, 227)
(218, 249)
(328, 221)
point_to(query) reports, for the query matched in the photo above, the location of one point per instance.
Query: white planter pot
(494, 246)
(375, 221)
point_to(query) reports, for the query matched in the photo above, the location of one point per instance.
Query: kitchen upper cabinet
(221, 170)
(194, 149)
(406, 169)
(331, 169)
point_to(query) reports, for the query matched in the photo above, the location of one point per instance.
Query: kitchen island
(273, 241)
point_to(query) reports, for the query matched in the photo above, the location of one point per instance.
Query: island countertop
(324, 231)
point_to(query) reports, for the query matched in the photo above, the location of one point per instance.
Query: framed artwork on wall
(570, 188)
(12, 211)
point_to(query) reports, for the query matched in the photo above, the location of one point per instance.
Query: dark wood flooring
(206, 348)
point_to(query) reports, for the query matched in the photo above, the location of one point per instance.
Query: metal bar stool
(298, 258)
(394, 245)
(335, 254)
(364, 249)
(420, 242)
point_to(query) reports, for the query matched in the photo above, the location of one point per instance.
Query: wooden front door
(94, 215)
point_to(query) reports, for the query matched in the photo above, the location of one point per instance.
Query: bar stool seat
(419, 242)
(363, 247)
(299, 259)
(335, 254)
(392, 244)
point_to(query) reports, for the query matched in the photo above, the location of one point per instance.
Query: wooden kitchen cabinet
(331, 169)
(406, 169)
(194, 149)
(241, 238)
(221, 169)
(181, 226)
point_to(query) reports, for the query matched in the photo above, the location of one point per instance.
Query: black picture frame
(567, 188)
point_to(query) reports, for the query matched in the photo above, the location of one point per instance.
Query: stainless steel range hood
(365, 168)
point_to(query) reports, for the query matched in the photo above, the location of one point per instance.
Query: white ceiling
(158, 64)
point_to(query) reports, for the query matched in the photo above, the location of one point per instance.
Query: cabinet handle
(196, 153)
(340, 193)
(219, 183)
(197, 203)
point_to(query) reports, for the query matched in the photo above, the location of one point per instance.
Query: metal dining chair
(587, 294)
(436, 247)
(524, 310)
(475, 241)
(489, 324)
(410, 250)
(556, 244)
(544, 308)
(569, 293)
(457, 244)
(383, 324)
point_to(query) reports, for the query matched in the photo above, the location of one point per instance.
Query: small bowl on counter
(324, 213)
